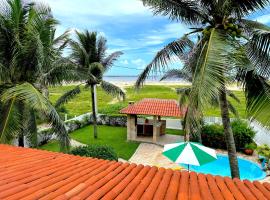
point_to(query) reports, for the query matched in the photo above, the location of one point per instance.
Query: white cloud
(159, 36)
(265, 19)
(124, 62)
(101, 7)
(138, 62)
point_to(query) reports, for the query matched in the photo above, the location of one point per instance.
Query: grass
(116, 137)
(175, 132)
(108, 105)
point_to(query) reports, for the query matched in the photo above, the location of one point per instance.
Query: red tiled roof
(157, 107)
(29, 174)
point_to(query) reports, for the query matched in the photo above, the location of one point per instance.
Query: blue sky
(128, 26)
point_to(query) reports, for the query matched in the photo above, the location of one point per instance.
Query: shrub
(213, 135)
(243, 134)
(251, 146)
(264, 150)
(96, 151)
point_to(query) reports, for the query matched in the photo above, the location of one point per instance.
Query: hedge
(96, 151)
(213, 135)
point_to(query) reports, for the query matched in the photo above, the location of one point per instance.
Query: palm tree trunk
(21, 133)
(94, 110)
(228, 134)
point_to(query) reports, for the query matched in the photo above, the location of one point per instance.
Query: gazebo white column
(155, 129)
(131, 127)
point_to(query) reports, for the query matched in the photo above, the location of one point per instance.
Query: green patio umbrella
(189, 153)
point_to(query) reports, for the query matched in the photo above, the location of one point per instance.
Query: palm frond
(257, 92)
(258, 52)
(69, 95)
(233, 110)
(101, 48)
(163, 57)
(177, 73)
(61, 70)
(184, 11)
(244, 7)
(251, 26)
(113, 90)
(62, 40)
(30, 127)
(109, 61)
(10, 123)
(28, 94)
(183, 96)
(209, 73)
(233, 96)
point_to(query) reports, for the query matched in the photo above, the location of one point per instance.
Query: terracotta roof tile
(157, 107)
(48, 175)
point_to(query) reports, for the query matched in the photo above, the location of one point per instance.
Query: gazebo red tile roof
(156, 107)
(28, 174)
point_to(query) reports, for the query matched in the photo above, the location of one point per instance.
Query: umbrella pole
(188, 167)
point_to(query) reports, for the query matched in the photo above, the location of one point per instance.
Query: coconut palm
(28, 53)
(227, 44)
(89, 57)
(184, 93)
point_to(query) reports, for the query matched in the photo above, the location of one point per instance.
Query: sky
(128, 26)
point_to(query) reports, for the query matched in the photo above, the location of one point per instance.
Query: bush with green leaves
(264, 150)
(213, 135)
(252, 146)
(96, 151)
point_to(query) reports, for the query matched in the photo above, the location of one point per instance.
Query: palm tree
(227, 44)
(184, 94)
(27, 52)
(186, 74)
(89, 57)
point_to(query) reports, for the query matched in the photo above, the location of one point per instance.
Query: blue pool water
(248, 170)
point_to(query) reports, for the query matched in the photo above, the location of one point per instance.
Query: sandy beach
(129, 83)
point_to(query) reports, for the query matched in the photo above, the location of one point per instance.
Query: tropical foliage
(30, 61)
(96, 151)
(91, 62)
(213, 135)
(228, 48)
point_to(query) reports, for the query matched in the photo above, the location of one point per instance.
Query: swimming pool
(248, 170)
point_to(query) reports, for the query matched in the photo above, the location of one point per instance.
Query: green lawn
(175, 132)
(107, 135)
(116, 137)
(108, 105)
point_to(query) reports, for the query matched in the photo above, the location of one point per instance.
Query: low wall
(46, 134)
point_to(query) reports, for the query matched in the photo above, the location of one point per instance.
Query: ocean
(133, 79)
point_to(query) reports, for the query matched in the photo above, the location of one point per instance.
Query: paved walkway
(151, 154)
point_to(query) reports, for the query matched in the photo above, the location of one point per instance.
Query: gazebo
(139, 129)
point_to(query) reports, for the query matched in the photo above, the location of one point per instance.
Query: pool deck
(151, 154)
